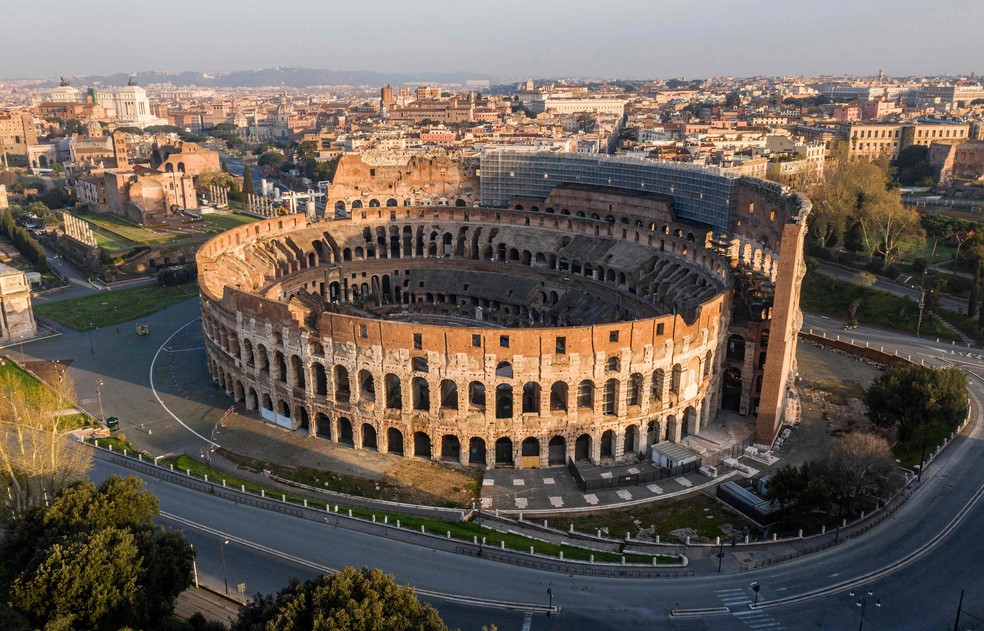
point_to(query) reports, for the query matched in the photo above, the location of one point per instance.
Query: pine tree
(248, 181)
(974, 292)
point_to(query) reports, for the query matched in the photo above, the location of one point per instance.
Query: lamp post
(755, 588)
(862, 602)
(225, 575)
(922, 456)
(102, 415)
(549, 600)
(92, 349)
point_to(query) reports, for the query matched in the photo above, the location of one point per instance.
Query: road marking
(324, 569)
(528, 621)
(519, 482)
(158, 396)
(548, 480)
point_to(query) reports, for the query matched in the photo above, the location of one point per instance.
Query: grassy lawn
(113, 307)
(11, 373)
(909, 453)
(459, 530)
(828, 296)
(698, 512)
(119, 228)
(216, 223)
(968, 326)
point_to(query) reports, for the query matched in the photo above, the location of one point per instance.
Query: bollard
(397, 523)
(111, 449)
(350, 512)
(531, 549)
(242, 488)
(386, 519)
(520, 517)
(823, 530)
(172, 466)
(328, 508)
(502, 545)
(206, 477)
(591, 559)
(628, 536)
(262, 492)
(188, 472)
(688, 541)
(561, 555)
(483, 541)
(422, 529)
(824, 335)
(654, 561)
(124, 452)
(862, 514)
(623, 560)
(544, 523)
(657, 538)
(775, 536)
(223, 483)
(374, 518)
(336, 508)
(866, 344)
(283, 497)
(497, 512)
(838, 337)
(799, 533)
(571, 529)
(599, 533)
(449, 534)
(305, 503)
(717, 541)
(139, 456)
(746, 539)
(844, 523)
(475, 540)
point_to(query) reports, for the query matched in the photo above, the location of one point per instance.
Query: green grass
(831, 297)
(967, 326)
(215, 223)
(699, 512)
(22, 381)
(117, 228)
(113, 307)
(459, 530)
(909, 453)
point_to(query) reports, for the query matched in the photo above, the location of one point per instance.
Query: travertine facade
(588, 325)
(16, 316)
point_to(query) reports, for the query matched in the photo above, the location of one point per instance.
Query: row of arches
(341, 206)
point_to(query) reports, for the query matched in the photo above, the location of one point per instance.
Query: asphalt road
(598, 603)
(922, 595)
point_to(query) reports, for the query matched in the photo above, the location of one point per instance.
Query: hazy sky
(508, 38)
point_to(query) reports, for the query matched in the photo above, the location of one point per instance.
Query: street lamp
(102, 415)
(755, 588)
(720, 554)
(92, 348)
(225, 575)
(862, 602)
(549, 600)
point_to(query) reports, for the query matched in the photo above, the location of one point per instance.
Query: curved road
(921, 595)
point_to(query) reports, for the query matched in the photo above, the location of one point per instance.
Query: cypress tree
(248, 181)
(974, 292)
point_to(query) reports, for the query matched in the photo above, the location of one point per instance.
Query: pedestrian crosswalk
(738, 599)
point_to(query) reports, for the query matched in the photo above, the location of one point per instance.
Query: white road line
(158, 396)
(528, 621)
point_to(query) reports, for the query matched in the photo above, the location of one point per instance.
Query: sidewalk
(212, 605)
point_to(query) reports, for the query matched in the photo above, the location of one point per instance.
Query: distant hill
(290, 77)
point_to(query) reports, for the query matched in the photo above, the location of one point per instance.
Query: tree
(8, 178)
(907, 397)
(859, 465)
(96, 553)
(357, 600)
(272, 159)
(732, 100)
(37, 457)
(209, 178)
(248, 188)
(974, 292)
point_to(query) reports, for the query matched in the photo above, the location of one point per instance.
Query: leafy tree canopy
(351, 600)
(909, 396)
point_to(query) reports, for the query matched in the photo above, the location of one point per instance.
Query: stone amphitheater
(577, 308)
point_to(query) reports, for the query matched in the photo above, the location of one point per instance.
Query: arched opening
(731, 390)
(449, 395)
(531, 398)
(503, 401)
(247, 348)
(557, 451)
(369, 437)
(390, 202)
(504, 370)
(281, 363)
(339, 208)
(419, 364)
(659, 383)
(690, 422)
(582, 448)
(476, 395)
(633, 388)
(613, 364)
(450, 448)
(530, 450)
(585, 394)
(345, 432)
(373, 203)
(504, 452)
(610, 398)
(558, 397)
(367, 386)
(608, 444)
(394, 441)
(343, 393)
(476, 451)
(394, 396)
(736, 348)
(324, 426)
(421, 394)
(267, 402)
(421, 445)
(631, 443)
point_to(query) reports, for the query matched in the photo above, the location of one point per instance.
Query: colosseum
(524, 311)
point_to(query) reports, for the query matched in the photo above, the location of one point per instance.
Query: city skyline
(573, 38)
